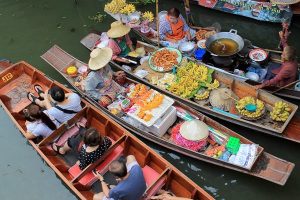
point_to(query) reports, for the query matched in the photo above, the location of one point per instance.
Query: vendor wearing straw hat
(119, 42)
(100, 82)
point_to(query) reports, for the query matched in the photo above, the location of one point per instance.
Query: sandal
(57, 149)
(38, 89)
(31, 97)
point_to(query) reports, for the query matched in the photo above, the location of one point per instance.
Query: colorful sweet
(241, 107)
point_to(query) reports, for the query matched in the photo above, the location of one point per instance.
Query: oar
(294, 82)
(131, 61)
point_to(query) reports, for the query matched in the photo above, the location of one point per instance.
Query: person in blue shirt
(131, 184)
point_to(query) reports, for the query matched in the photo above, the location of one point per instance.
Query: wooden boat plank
(90, 40)
(60, 167)
(268, 173)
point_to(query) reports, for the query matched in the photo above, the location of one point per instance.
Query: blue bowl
(199, 53)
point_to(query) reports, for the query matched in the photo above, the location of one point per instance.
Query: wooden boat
(288, 92)
(255, 9)
(274, 170)
(159, 173)
(289, 131)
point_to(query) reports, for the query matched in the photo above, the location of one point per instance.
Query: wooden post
(157, 23)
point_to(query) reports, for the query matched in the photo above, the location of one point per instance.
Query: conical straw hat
(194, 130)
(118, 29)
(220, 98)
(99, 58)
(285, 2)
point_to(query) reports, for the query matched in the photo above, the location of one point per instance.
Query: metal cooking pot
(232, 34)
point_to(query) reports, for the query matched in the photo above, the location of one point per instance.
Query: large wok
(232, 34)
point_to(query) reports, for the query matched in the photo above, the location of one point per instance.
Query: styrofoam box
(164, 123)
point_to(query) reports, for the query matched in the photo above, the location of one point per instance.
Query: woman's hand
(188, 34)
(258, 86)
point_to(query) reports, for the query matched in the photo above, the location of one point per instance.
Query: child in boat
(94, 146)
(173, 29)
(60, 105)
(101, 83)
(131, 184)
(39, 123)
(279, 76)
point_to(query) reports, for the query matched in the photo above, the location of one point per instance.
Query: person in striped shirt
(173, 28)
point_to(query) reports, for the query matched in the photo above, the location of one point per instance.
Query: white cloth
(245, 156)
(38, 128)
(73, 104)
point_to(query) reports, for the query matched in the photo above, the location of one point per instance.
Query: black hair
(34, 112)
(92, 137)
(174, 12)
(57, 93)
(118, 168)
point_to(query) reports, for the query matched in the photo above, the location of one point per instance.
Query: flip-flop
(31, 97)
(57, 149)
(38, 89)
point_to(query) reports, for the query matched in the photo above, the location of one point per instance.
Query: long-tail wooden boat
(266, 166)
(288, 92)
(158, 173)
(289, 131)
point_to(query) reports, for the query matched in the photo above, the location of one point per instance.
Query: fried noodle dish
(165, 59)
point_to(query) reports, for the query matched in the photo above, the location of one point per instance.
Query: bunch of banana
(128, 9)
(203, 95)
(214, 85)
(189, 77)
(114, 6)
(241, 104)
(280, 112)
(148, 16)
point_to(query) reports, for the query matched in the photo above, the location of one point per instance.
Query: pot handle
(233, 31)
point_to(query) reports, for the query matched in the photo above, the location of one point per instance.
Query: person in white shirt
(60, 105)
(38, 122)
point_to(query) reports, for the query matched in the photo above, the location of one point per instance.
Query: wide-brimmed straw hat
(194, 130)
(285, 2)
(118, 29)
(99, 58)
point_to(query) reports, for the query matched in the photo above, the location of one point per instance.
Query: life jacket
(177, 29)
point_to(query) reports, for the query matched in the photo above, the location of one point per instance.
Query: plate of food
(164, 59)
(258, 55)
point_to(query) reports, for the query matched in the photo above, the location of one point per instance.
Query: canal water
(29, 27)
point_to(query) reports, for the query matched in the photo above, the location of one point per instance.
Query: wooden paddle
(294, 82)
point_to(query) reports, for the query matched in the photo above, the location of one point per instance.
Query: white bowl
(252, 76)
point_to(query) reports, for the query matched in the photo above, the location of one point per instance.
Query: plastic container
(164, 123)
(233, 145)
(199, 53)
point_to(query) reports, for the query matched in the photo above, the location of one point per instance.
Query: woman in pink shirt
(119, 41)
(286, 73)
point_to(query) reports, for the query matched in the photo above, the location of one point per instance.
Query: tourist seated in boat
(60, 105)
(131, 180)
(101, 83)
(120, 42)
(93, 147)
(173, 28)
(281, 75)
(39, 123)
